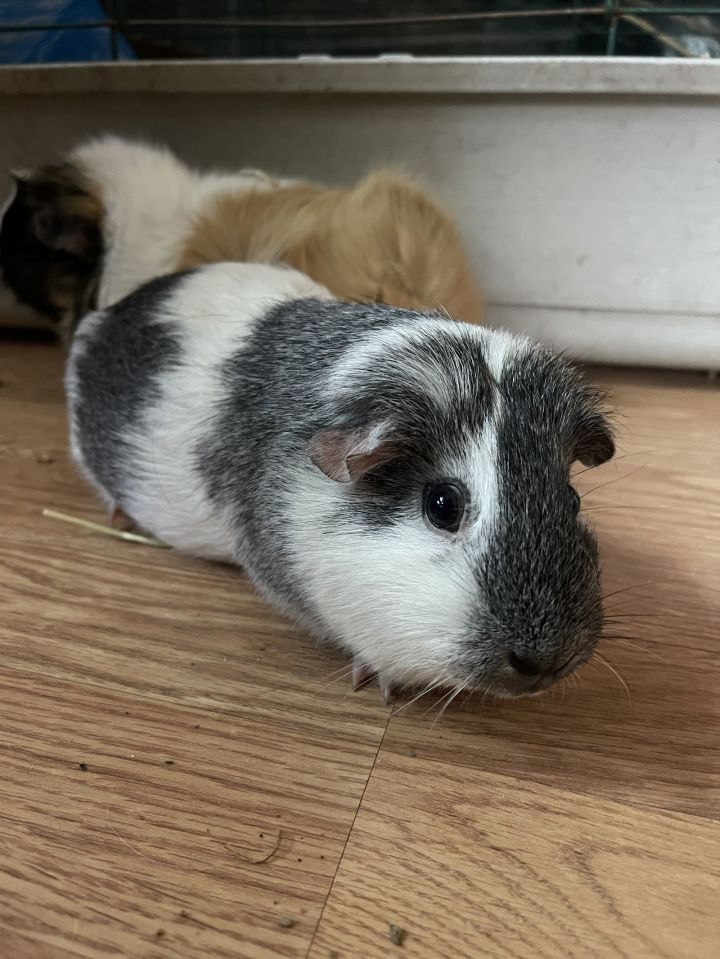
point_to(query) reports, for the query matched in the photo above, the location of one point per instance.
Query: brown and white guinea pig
(396, 482)
(115, 213)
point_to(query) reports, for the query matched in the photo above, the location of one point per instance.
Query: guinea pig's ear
(62, 212)
(346, 455)
(71, 234)
(594, 442)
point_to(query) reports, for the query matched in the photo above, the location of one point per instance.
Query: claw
(387, 690)
(361, 675)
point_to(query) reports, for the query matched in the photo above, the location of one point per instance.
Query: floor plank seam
(349, 834)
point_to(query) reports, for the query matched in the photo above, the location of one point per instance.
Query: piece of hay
(99, 528)
(263, 859)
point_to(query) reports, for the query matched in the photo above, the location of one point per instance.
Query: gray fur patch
(118, 369)
(540, 576)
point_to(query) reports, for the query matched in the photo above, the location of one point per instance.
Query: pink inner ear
(347, 455)
(358, 464)
(329, 450)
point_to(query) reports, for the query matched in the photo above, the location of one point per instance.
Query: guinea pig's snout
(525, 666)
(532, 674)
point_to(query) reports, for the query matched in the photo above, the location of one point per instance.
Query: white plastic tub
(588, 191)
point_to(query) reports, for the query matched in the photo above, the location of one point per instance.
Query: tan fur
(384, 241)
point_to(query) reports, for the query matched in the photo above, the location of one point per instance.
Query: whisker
(628, 602)
(485, 694)
(615, 480)
(630, 637)
(626, 589)
(594, 509)
(432, 706)
(632, 616)
(456, 692)
(436, 703)
(343, 675)
(614, 671)
(615, 459)
(345, 668)
(618, 636)
(639, 624)
(643, 649)
(429, 688)
(619, 617)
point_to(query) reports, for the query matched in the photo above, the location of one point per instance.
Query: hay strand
(105, 530)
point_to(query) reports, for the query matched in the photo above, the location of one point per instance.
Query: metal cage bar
(614, 14)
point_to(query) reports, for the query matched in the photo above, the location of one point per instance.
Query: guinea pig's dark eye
(444, 506)
(574, 498)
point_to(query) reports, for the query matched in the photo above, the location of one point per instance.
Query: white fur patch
(377, 344)
(499, 349)
(397, 598)
(502, 348)
(479, 471)
(151, 199)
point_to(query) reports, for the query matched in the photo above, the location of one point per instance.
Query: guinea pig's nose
(526, 667)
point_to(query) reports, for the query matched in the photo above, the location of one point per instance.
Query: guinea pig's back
(145, 383)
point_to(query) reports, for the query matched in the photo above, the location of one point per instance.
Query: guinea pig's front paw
(362, 674)
(118, 519)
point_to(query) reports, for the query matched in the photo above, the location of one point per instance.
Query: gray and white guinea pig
(396, 482)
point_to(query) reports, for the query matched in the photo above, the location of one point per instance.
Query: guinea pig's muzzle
(510, 670)
(526, 681)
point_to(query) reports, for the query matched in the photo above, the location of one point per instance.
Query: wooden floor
(184, 775)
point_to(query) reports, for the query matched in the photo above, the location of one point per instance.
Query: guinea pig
(396, 482)
(84, 232)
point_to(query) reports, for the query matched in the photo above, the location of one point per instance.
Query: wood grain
(215, 736)
(211, 731)
(470, 863)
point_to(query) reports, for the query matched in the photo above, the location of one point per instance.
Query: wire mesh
(209, 29)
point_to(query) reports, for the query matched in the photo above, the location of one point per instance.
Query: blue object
(57, 44)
